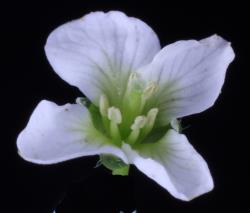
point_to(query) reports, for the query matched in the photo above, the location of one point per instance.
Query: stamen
(132, 85)
(115, 117)
(151, 116)
(104, 105)
(132, 81)
(138, 124)
(148, 92)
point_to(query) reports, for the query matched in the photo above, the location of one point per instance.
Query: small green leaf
(115, 164)
(121, 171)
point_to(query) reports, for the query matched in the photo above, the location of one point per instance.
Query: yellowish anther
(132, 82)
(104, 105)
(132, 78)
(150, 90)
(114, 115)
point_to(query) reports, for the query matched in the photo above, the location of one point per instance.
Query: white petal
(174, 164)
(97, 52)
(190, 74)
(58, 133)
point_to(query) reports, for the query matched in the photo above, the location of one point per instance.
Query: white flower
(137, 91)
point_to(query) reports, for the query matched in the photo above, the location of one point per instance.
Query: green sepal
(115, 164)
(121, 171)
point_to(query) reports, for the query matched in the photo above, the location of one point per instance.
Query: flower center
(128, 122)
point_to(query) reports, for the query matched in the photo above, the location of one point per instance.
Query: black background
(218, 134)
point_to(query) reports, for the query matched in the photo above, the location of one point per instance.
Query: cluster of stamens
(141, 125)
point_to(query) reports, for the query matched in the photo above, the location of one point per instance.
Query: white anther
(104, 105)
(152, 115)
(139, 122)
(114, 115)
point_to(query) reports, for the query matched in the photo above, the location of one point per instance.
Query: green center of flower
(128, 121)
(130, 118)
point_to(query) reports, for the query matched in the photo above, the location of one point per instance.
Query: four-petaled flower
(136, 91)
